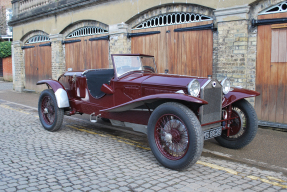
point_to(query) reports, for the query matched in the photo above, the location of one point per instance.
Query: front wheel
(175, 136)
(243, 127)
(50, 115)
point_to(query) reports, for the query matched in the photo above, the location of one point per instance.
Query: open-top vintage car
(176, 112)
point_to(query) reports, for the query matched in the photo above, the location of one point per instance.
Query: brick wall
(19, 66)
(7, 69)
(232, 51)
(236, 48)
(119, 44)
(58, 56)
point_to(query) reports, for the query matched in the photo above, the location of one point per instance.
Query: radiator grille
(212, 111)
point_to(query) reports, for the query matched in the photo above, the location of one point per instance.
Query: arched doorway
(87, 47)
(182, 42)
(37, 59)
(271, 64)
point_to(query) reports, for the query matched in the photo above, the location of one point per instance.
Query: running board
(134, 126)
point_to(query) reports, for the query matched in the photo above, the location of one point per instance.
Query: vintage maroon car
(176, 112)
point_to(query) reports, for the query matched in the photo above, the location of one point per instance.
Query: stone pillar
(233, 53)
(119, 43)
(18, 66)
(58, 56)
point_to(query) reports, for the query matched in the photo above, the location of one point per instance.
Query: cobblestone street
(85, 157)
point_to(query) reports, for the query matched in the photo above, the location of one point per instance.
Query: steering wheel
(148, 68)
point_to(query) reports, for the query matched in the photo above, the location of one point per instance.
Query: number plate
(215, 132)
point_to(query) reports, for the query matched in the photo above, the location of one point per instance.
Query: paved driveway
(84, 157)
(89, 157)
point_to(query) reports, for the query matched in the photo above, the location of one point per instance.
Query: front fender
(59, 90)
(237, 94)
(152, 98)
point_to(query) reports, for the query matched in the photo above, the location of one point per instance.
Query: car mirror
(107, 89)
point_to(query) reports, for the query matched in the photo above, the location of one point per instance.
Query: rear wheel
(242, 129)
(175, 136)
(51, 117)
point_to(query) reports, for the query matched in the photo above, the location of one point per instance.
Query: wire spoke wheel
(50, 115)
(237, 125)
(48, 110)
(171, 137)
(243, 127)
(175, 136)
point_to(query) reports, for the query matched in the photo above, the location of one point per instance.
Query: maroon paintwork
(55, 85)
(132, 90)
(237, 94)
(152, 98)
(107, 89)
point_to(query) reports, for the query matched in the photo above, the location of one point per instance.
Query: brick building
(5, 35)
(5, 15)
(243, 40)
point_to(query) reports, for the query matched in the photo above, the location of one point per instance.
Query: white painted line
(217, 153)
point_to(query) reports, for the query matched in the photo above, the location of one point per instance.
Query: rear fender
(237, 94)
(59, 90)
(153, 98)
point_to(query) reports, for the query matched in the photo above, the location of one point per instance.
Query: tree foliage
(5, 49)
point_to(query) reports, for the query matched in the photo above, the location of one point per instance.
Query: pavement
(83, 156)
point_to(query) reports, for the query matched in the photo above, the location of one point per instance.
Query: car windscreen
(125, 64)
(148, 64)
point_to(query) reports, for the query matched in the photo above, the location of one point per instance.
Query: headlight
(225, 86)
(193, 88)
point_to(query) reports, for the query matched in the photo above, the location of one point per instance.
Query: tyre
(175, 136)
(242, 129)
(50, 115)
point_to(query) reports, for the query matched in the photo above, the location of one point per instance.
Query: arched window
(38, 39)
(86, 31)
(172, 19)
(279, 8)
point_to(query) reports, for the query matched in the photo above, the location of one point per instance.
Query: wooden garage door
(185, 53)
(38, 65)
(271, 71)
(90, 52)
